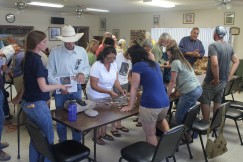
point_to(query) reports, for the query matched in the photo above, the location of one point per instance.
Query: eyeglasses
(77, 64)
(110, 58)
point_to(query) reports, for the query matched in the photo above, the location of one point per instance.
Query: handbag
(219, 145)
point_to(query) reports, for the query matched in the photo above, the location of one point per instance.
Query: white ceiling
(121, 6)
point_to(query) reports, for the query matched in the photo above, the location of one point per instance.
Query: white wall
(41, 21)
(203, 18)
(127, 22)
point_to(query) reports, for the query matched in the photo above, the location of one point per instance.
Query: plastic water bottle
(72, 111)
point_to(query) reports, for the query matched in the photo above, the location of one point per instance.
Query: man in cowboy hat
(68, 60)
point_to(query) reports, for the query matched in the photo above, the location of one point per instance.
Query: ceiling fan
(21, 4)
(227, 4)
(75, 11)
(79, 11)
(224, 4)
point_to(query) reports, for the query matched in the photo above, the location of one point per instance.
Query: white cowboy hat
(69, 34)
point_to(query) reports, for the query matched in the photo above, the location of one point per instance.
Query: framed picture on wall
(138, 35)
(116, 32)
(156, 19)
(102, 24)
(188, 18)
(229, 18)
(53, 32)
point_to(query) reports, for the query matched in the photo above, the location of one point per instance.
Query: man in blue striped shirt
(191, 47)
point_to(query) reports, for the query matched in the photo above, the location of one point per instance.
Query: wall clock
(10, 18)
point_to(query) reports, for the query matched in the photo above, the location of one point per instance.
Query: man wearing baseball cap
(68, 60)
(219, 71)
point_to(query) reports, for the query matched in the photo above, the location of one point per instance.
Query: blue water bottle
(72, 111)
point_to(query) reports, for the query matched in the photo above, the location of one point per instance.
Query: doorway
(83, 42)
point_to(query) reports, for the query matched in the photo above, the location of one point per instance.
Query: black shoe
(9, 117)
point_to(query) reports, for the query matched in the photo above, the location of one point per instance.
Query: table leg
(170, 112)
(82, 138)
(95, 132)
(18, 130)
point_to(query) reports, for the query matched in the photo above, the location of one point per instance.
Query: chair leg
(188, 147)
(174, 158)
(89, 159)
(11, 93)
(238, 132)
(204, 152)
(120, 159)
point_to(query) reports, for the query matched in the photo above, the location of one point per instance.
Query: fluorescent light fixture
(46, 4)
(159, 3)
(96, 10)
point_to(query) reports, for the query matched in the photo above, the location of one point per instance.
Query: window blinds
(205, 35)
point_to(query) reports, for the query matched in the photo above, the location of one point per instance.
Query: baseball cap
(221, 31)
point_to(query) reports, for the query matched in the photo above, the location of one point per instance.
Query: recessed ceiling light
(159, 3)
(46, 4)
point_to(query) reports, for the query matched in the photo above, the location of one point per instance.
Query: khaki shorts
(148, 115)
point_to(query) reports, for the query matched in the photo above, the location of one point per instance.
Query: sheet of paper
(67, 81)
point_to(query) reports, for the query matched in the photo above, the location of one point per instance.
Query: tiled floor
(111, 151)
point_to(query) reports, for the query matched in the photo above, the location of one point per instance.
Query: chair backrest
(39, 140)
(236, 85)
(191, 116)
(228, 87)
(168, 143)
(218, 116)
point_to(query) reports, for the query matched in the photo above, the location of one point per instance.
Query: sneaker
(108, 137)
(4, 156)
(195, 135)
(4, 145)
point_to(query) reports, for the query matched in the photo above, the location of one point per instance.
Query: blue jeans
(39, 113)
(185, 102)
(2, 116)
(59, 101)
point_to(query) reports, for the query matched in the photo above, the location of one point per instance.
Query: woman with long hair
(154, 102)
(91, 49)
(35, 90)
(187, 84)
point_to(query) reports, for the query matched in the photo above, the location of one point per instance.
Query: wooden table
(108, 113)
